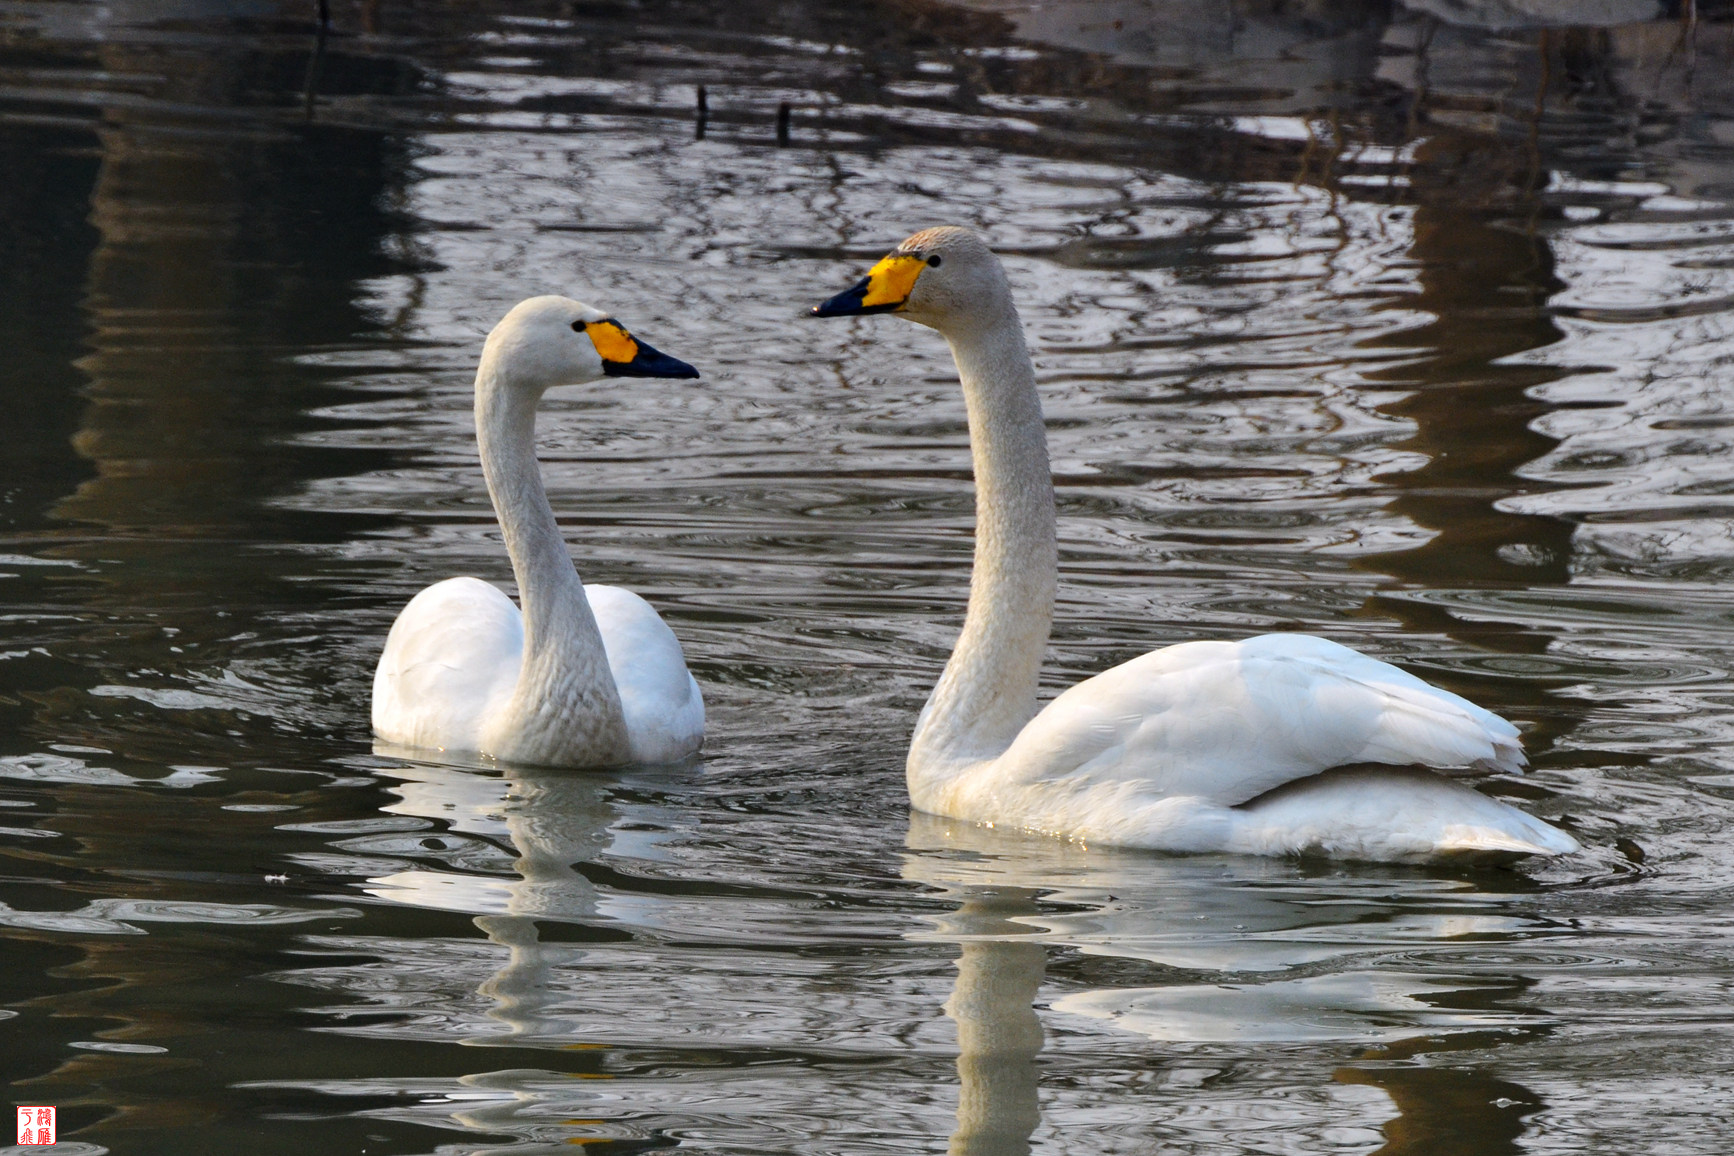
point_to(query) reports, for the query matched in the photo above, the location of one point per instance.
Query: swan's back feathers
(1227, 721)
(452, 654)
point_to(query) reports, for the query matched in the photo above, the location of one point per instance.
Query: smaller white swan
(1204, 746)
(585, 676)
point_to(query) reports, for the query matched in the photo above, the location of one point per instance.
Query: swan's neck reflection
(551, 820)
(998, 1033)
(519, 988)
(1278, 955)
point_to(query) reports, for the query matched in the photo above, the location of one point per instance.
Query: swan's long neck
(988, 690)
(566, 708)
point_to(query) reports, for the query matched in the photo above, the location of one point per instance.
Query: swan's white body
(585, 675)
(1204, 746)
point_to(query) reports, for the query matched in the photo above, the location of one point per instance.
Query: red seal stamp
(35, 1124)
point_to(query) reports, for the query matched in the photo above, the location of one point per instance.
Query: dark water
(1408, 325)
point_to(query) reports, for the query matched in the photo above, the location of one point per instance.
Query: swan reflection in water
(1369, 997)
(998, 1032)
(1271, 930)
(553, 820)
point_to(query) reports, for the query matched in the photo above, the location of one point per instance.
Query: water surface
(1405, 325)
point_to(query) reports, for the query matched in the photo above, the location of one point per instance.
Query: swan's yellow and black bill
(623, 355)
(885, 289)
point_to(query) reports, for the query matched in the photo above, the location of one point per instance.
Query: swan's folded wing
(452, 650)
(1228, 721)
(663, 708)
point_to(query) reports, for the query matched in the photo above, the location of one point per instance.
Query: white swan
(1204, 746)
(586, 676)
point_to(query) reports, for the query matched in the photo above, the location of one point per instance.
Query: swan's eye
(934, 260)
(578, 327)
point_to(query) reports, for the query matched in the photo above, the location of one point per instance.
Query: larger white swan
(1204, 746)
(585, 676)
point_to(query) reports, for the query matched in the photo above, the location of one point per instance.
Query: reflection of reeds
(1473, 413)
(1444, 1109)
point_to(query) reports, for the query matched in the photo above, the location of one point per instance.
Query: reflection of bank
(1292, 54)
(44, 248)
(1255, 954)
(200, 249)
(225, 246)
(229, 241)
(222, 256)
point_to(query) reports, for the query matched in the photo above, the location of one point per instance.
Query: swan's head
(940, 277)
(550, 341)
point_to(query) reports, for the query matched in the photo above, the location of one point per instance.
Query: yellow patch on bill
(891, 281)
(611, 341)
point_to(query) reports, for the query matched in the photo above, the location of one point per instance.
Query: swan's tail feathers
(1394, 815)
(1436, 728)
(1489, 844)
(1507, 756)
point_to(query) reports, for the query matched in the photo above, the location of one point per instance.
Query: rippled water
(1409, 327)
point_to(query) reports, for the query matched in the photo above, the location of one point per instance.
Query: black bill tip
(649, 362)
(849, 303)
